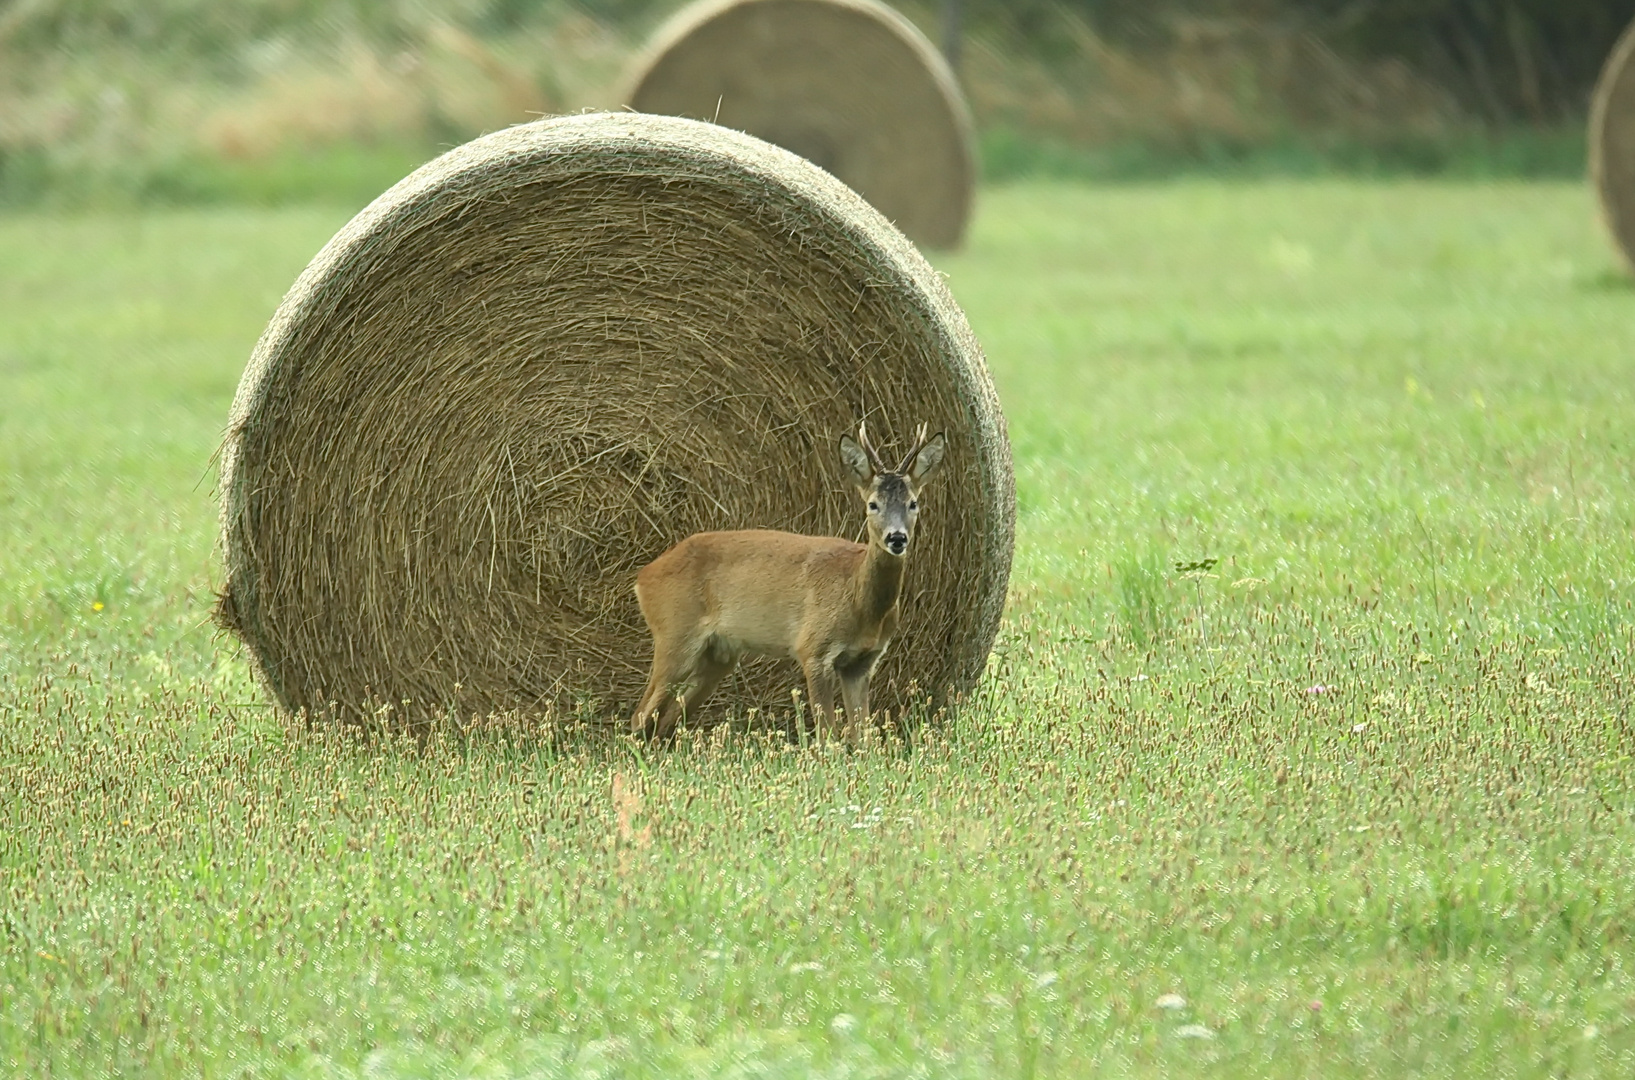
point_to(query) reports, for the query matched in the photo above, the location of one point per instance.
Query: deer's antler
(919, 444)
(868, 447)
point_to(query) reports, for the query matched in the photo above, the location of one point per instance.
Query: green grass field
(1360, 793)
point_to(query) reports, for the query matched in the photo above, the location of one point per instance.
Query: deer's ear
(928, 459)
(858, 468)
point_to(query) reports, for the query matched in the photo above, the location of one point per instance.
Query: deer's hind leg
(715, 662)
(679, 642)
(673, 666)
(682, 679)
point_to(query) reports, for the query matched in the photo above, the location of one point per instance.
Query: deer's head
(892, 495)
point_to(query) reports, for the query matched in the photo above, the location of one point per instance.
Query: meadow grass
(1309, 718)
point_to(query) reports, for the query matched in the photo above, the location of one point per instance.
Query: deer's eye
(913, 504)
(873, 505)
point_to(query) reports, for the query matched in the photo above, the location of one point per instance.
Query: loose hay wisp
(848, 84)
(546, 356)
(1612, 143)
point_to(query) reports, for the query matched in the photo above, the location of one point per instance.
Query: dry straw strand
(1612, 144)
(545, 357)
(848, 84)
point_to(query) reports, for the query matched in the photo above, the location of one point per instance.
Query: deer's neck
(879, 582)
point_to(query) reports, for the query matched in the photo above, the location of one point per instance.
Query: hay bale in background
(848, 84)
(548, 355)
(1612, 144)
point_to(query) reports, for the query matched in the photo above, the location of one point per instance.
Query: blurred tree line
(271, 99)
(1505, 61)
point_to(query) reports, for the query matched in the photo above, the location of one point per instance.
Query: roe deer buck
(829, 603)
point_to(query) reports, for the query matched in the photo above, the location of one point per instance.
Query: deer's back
(754, 587)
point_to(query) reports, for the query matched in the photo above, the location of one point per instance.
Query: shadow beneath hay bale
(580, 743)
(381, 727)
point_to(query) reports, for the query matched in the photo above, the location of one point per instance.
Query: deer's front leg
(854, 672)
(821, 683)
(854, 691)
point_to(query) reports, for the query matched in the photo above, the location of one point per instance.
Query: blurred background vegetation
(279, 100)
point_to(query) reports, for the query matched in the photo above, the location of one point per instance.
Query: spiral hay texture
(1612, 144)
(847, 84)
(542, 359)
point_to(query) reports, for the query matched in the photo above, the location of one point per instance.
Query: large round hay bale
(1612, 143)
(848, 84)
(545, 357)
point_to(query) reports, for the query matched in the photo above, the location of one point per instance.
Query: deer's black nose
(896, 542)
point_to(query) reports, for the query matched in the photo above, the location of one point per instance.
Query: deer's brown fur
(828, 603)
